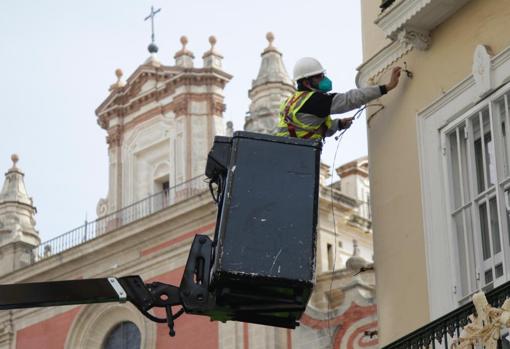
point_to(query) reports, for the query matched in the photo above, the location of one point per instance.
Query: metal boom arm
(192, 293)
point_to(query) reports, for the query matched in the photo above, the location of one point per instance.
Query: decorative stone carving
(217, 106)
(102, 207)
(484, 329)
(370, 71)
(114, 138)
(119, 83)
(355, 262)
(482, 69)
(414, 37)
(181, 105)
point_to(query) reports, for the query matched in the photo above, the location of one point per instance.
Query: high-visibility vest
(303, 125)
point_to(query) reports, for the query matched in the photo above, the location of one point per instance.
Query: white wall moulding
(412, 20)
(482, 70)
(370, 71)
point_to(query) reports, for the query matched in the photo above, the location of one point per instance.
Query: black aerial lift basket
(264, 253)
(260, 266)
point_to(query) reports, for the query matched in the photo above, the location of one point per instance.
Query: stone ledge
(413, 20)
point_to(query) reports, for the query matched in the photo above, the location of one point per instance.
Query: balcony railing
(443, 332)
(117, 219)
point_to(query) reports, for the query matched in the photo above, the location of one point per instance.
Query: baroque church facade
(160, 123)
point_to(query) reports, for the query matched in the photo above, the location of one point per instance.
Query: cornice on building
(129, 99)
(355, 167)
(371, 70)
(408, 24)
(413, 20)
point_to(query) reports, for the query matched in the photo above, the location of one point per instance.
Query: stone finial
(119, 83)
(14, 159)
(212, 41)
(211, 57)
(184, 42)
(270, 38)
(212, 50)
(270, 47)
(153, 48)
(184, 57)
(355, 247)
(230, 129)
(356, 262)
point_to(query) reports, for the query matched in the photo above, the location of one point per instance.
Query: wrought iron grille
(442, 332)
(117, 219)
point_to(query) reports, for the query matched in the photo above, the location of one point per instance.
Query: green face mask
(325, 85)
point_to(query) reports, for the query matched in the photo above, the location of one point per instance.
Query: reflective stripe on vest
(306, 126)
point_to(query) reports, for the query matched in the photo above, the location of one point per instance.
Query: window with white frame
(476, 149)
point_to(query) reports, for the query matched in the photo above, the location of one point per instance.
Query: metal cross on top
(151, 16)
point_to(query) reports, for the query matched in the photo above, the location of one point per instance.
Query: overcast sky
(58, 60)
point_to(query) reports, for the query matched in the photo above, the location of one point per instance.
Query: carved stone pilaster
(115, 135)
(181, 105)
(217, 106)
(7, 333)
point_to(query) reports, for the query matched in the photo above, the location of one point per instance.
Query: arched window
(124, 335)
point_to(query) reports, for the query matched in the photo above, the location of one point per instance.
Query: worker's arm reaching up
(353, 99)
(307, 114)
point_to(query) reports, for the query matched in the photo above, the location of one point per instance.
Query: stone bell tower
(161, 123)
(18, 235)
(268, 90)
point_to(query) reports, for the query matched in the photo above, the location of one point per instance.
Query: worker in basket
(307, 113)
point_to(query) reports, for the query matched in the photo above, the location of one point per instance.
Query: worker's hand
(395, 75)
(337, 125)
(345, 123)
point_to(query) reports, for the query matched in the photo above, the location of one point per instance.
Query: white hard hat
(306, 67)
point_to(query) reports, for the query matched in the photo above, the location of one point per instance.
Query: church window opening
(330, 256)
(476, 149)
(124, 335)
(162, 192)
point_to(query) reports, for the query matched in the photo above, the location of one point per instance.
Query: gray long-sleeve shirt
(323, 104)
